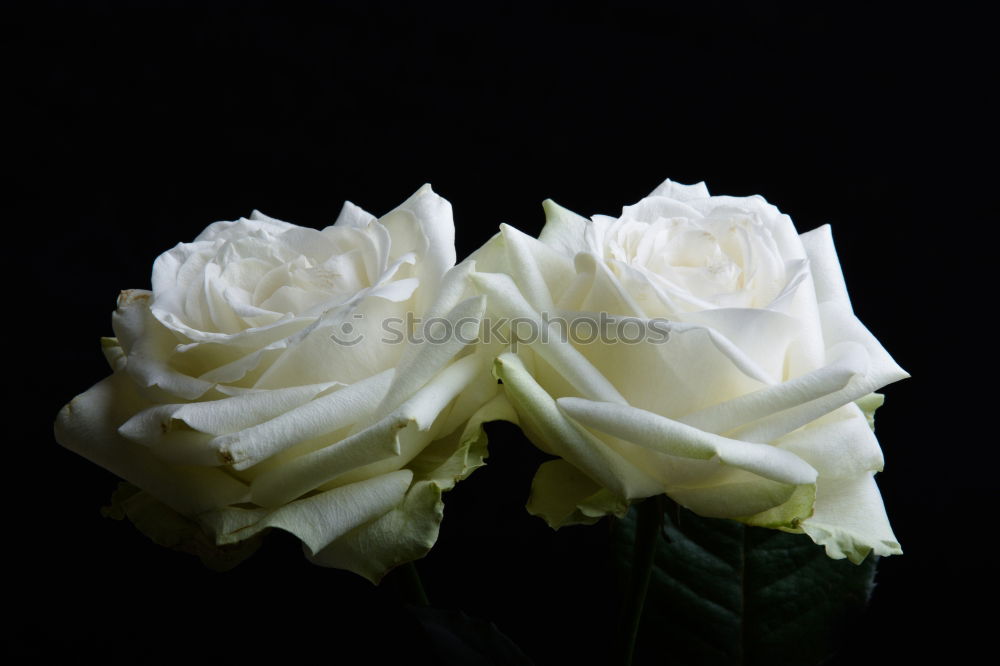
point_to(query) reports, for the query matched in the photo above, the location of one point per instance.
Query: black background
(139, 123)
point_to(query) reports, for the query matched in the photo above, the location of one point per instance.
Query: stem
(649, 521)
(410, 586)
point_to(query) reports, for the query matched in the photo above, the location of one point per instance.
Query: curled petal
(563, 495)
(552, 431)
(89, 424)
(849, 519)
(677, 439)
(319, 519)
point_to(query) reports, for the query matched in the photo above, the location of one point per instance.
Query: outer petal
(426, 357)
(743, 496)
(839, 445)
(235, 413)
(148, 344)
(409, 530)
(776, 425)
(551, 431)
(850, 520)
(169, 529)
(828, 276)
(680, 192)
(868, 405)
(319, 417)
(89, 424)
(432, 217)
(838, 319)
(766, 402)
(319, 519)
(390, 442)
(506, 301)
(352, 215)
(564, 230)
(677, 439)
(538, 270)
(257, 223)
(300, 475)
(841, 325)
(183, 433)
(788, 515)
(404, 533)
(563, 495)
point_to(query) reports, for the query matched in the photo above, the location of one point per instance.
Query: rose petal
(739, 495)
(839, 445)
(395, 439)
(849, 519)
(677, 439)
(317, 417)
(564, 230)
(424, 358)
(89, 424)
(423, 224)
(679, 191)
(506, 301)
(563, 495)
(320, 519)
(824, 264)
(148, 345)
(409, 530)
(551, 431)
(354, 216)
(538, 270)
(772, 400)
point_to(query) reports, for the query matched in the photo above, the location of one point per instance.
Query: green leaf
(726, 593)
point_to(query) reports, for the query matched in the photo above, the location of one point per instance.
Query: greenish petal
(400, 535)
(789, 515)
(869, 404)
(563, 495)
(409, 530)
(169, 529)
(318, 519)
(736, 497)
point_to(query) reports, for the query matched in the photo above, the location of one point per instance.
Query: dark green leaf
(723, 593)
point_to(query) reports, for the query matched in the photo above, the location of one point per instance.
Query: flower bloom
(253, 387)
(756, 406)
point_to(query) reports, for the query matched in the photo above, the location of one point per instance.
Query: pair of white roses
(236, 402)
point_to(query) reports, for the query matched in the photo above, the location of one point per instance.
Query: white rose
(256, 385)
(753, 408)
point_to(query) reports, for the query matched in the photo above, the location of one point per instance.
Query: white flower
(255, 385)
(753, 408)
